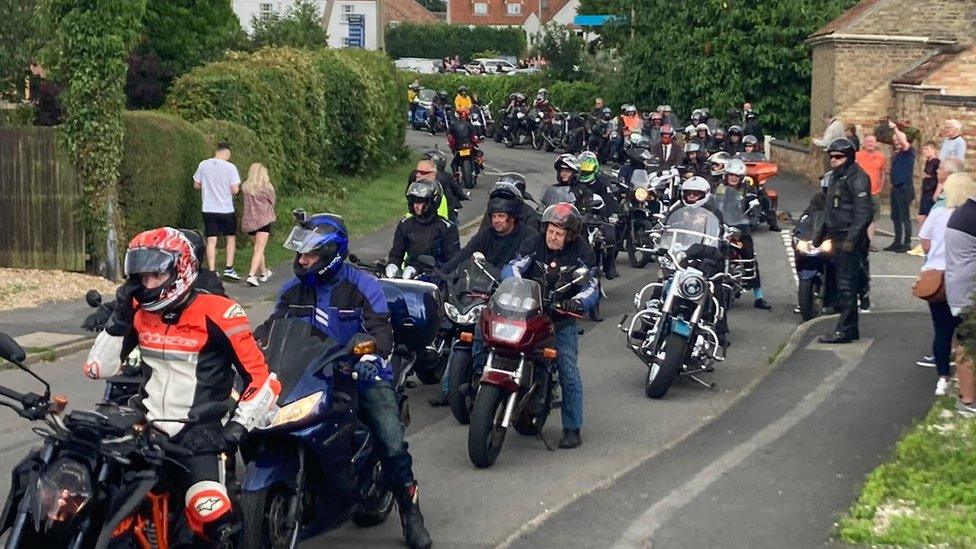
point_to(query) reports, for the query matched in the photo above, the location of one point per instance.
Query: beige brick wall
(861, 68)
(943, 19)
(957, 77)
(822, 90)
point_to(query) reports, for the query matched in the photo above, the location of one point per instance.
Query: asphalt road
(529, 486)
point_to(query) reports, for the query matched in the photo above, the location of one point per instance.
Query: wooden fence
(39, 198)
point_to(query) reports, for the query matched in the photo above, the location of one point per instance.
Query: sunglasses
(424, 172)
(749, 145)
(837, 156)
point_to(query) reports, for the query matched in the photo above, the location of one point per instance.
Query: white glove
(392, 270)
(257, 410)
(104, 358)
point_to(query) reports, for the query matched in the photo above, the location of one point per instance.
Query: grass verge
(926, 494)
(370, 203)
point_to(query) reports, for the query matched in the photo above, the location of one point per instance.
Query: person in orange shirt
(873, 162)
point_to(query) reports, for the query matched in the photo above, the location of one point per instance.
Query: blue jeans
(567, 349)
(944, 325)
(379, 410)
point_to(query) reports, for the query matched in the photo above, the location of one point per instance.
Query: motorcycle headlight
(471, 316)
(827, 246)
(62, 493)
(297, 411)
(641, 194)
(507, 331)
(692, 287)
(452, 312)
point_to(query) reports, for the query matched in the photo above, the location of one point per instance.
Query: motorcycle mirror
(299, 214)
(427, 261)
(353, 258)
(479, 258)
(11, 350)
(93, 298)
(581, 275)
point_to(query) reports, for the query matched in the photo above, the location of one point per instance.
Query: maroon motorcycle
(519, 380)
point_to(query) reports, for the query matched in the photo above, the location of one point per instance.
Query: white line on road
(640, 531)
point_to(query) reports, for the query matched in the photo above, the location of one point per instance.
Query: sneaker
(796, 310)
(230, 273)
(967, 410)
(917, 251)
(253, 281)
(941, 387)
(864, 302)
(267, 275)
(892, 248)
(928, 361)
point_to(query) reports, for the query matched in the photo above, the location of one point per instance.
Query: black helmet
(442, 93)
(514, 178)
(750, 140)
(564, 215)
(510, 206)
(735, 129)
(438, 157)
(507, 190)
(426, 191)
(842, 145)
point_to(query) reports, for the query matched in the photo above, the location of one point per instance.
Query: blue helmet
(323, 234)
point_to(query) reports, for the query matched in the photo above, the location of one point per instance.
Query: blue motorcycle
(439, 118)
(315, 466)
(421, 109)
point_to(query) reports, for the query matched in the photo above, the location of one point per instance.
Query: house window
(347, 8)
(264, 9)
(545, 5)
(513, 9)
(481, 8)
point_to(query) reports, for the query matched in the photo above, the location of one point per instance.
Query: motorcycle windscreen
(691, 225)
(517, 298)
(555, 195)
(293, 345)
(426, 95)
(640, 179)
(732, 205)
(475, 279)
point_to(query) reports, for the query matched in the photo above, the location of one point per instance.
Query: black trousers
(849, 267)
(901, 201)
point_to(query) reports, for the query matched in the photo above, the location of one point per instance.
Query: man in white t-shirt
(219, 181)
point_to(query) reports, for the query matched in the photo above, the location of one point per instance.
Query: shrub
(156, 179)
(442, 40)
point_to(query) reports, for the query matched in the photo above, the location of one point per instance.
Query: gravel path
(25, 288)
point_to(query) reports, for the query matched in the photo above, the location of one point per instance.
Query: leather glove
(233, 434)
(96, 321)
(847, 247)
(121, 321)
(366, 372)
(571, 305)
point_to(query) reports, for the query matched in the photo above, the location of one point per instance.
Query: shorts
(925, 205)
(219, 224)
(265, 229)
(876, 206)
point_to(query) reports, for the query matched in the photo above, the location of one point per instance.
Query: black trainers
(439, 401)
(762, 304)
(571, 439)
(411, 519)
(864, 303)
(836, 337)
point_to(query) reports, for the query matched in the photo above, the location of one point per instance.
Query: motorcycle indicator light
(466, 337)
(296, 411)
(364, 348)
(827, 246)
(549, 353)
(510, 332)
(641, 194)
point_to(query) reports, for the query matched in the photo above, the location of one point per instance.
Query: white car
(418, 64)
(493, 66)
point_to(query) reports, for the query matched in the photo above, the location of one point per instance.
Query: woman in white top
(956, 190)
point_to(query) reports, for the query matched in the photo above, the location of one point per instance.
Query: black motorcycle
(102, 478)
(816, 280)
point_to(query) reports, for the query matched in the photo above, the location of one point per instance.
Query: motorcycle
(465, 161)
(520, 378)
(468, 296)
(102, 478)
(439, 118)
(641, 211)
(518, 130)
(481, 119)
(316, 465)
(672, 331)
(421, 111)
(542, 132)
(761, 171)
(817, 285)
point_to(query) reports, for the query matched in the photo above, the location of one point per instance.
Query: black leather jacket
(414, 237)
(849, 208)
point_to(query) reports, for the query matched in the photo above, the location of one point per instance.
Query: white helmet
(718, 162)
(701, 127)
(695, 184)
(735, 166)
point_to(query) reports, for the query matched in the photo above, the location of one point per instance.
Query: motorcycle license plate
(681, 327)
(464, 152)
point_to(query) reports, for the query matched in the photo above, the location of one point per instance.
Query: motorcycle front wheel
(661, 375)
(638, 259)
(459, 392)
(485, 434)
(264, 519)
(377, 503)
(810, 298)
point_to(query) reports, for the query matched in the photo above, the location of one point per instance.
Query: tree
(90, 43)
(300, 26)
(20, 41)
(562, 50)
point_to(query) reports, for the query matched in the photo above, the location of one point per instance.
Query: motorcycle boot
(571, 439)
(414, 531)
(610, 265)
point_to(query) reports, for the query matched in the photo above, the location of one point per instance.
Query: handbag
(930, 286)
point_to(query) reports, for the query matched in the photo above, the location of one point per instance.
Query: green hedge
(316, 112)
(245, 146)
(439, 40)
(569, 96)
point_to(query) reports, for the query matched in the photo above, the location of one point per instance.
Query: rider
(413, 90)
(717, 163)
(515, 105)
(694, 165)
(512, 186)
(347, 301)
(733, 140)
(718, 139)
(453, 193)
(561, 246)
(423, 232)
(542, 105)
(703, 137)
(735, 173)
(461, 135)
(601, 184)
(462, 101)
(653, 130)
(438, 102)
(191, 344)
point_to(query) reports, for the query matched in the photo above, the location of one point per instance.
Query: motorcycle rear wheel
(808, 295)
(467, 174)
(485, 434)
(460, 368)
(661, 376)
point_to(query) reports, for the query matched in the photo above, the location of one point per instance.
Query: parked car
(489, 66)
(527, 70)
(418, 64)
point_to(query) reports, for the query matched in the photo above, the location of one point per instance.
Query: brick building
(531, 15)
(912, 60)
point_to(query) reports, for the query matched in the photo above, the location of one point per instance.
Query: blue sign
(357, 30)
(596, 20)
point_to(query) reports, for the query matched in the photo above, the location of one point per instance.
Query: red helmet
(163, 250)
(564, 215)
(463, 114)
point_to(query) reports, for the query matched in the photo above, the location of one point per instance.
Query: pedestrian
(872, 161)
(902, 189)
(846, 222)
(258, 216)
(834, 130)
(958, 188)
(929, 183)
(219, 181)
(960, 270)
(850, 132)
(954, 144)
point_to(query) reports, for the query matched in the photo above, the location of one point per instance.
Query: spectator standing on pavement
(902, 190)
(929, 183)
(219, 181)
(833, 131)
(954, 144)
(257, 218)
(960, 274)
(872, 161)
(958, 188)
(850, 132)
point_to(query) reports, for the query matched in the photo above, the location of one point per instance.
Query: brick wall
(928, 113)
(958, 77)
(808, 163)
(943, 19)
(822, 86)
(861, 68)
